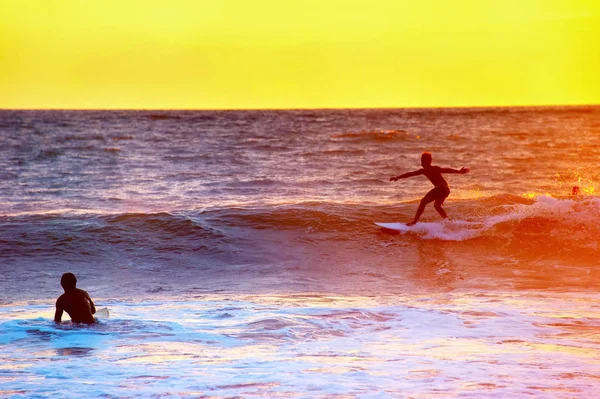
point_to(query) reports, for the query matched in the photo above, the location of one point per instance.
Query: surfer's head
(68, 281)
(426, 159)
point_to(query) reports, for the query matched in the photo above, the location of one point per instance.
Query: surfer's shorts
(438, 194)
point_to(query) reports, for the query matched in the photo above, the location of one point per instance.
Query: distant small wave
(80, 137)
(334, 153)
(159, 117)
(377, 135)
(121, 137)
(49, 154)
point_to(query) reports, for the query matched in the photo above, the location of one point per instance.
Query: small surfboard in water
(394, 226)
(102, 313)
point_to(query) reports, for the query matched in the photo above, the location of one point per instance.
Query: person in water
(439, 192)
(77, 303)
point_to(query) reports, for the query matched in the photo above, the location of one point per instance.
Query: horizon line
(482, 107)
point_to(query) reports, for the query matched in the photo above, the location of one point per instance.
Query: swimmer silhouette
(439, 192)
(77, 303)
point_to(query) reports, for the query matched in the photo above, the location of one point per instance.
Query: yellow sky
(213, 54)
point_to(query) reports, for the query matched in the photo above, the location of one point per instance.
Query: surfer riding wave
(441, 190)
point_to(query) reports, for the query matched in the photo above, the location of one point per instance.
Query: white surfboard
(394, 226)
(102, 313)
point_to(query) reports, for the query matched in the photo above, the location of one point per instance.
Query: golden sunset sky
(231, 54)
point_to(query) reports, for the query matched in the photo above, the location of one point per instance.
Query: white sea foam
(560, 211)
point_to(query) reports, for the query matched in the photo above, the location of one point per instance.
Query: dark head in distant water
(426, 159)
(68, 281)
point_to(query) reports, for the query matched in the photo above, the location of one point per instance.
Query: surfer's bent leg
(442, 194)
(429, 197)
(438, 207)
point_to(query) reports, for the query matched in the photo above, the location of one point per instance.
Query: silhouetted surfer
(77, 303)
(441, 189)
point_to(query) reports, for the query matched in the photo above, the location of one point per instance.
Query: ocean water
(237, 253)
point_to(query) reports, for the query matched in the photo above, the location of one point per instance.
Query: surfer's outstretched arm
(461, 171)
(405, 175)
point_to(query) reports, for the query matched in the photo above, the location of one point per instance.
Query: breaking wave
(553, 225)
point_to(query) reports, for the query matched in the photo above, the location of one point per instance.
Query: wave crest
(543, 226)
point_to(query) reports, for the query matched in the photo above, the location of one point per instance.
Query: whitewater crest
(564, 218)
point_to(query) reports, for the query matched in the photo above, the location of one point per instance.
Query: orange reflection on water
(567, 349)
(532, 195)
(590, 190)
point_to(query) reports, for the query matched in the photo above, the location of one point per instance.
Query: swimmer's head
(426, 159)
(68, 281)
